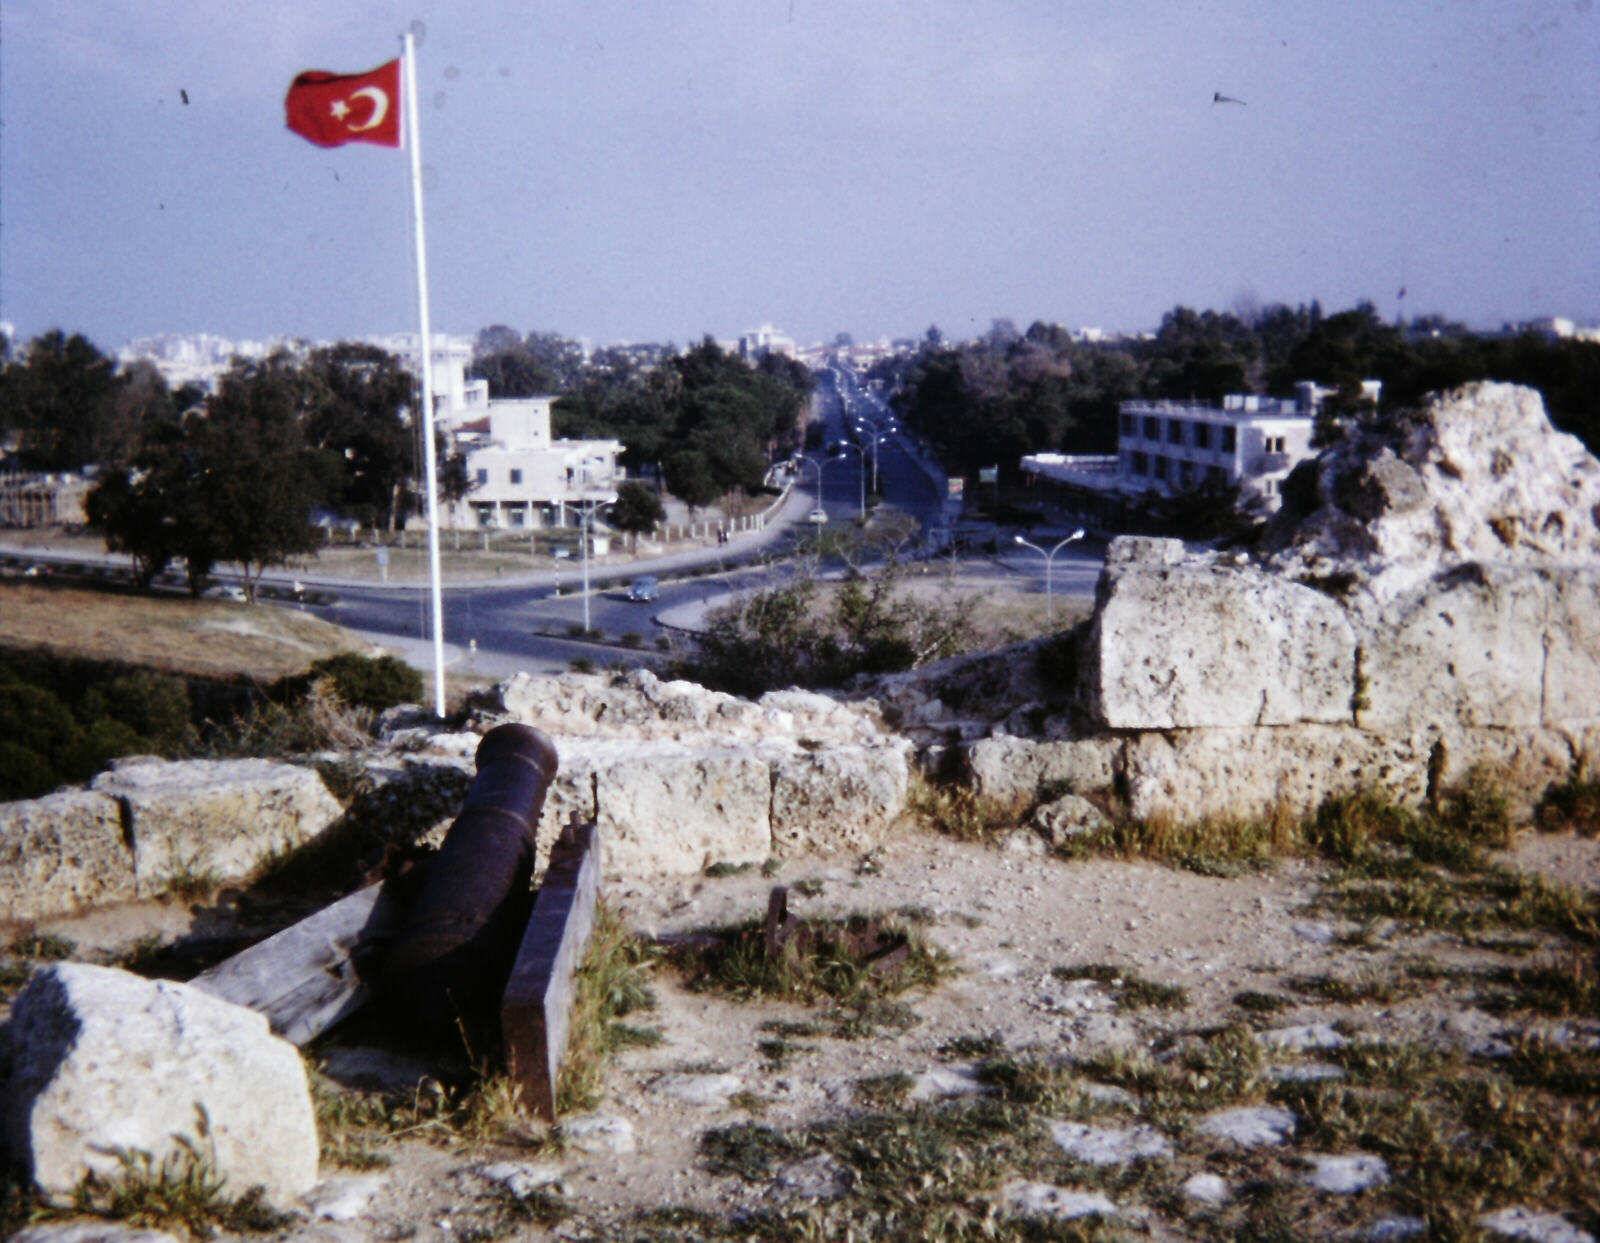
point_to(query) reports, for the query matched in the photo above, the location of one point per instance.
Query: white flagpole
(427, 378)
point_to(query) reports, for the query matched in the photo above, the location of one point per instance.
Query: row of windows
(1180, 471)
(483, 475)
(1199, 434)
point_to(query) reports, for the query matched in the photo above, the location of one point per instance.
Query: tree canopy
(992, 400)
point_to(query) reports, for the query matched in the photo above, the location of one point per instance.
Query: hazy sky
(662, 170)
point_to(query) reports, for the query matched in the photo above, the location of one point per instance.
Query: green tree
(258, 480)
(637, 510)
(60, 398)
(358, 422)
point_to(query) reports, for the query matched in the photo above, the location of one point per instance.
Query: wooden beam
(537, 1005)
(313, 973)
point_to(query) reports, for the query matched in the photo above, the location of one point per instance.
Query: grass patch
(958, 812)
(44, 947)
(1571, 807)
(612, 983)
(1557, 987)
(822, 963)
(181, 1191)
(1133, 991)
(1262, 1003)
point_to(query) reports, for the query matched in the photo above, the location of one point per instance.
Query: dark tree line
(229, 477)
(989, 402)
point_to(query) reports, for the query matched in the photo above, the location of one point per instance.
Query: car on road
(227, 591)
(644, 588)
(817, 516)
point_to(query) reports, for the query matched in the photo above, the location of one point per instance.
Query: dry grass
(167, 633)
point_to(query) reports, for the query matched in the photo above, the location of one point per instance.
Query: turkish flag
(331, 109)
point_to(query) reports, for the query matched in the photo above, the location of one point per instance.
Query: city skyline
(619, 173)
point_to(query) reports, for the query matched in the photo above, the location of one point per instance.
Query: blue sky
(662, 170)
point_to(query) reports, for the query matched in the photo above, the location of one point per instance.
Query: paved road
(535, 620)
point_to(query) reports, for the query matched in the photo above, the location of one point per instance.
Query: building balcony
(1269, 462)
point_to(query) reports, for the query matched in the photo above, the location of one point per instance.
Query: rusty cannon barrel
(450, 961)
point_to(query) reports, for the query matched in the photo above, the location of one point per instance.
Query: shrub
(375, 682)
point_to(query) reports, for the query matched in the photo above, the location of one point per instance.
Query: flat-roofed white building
(1165, 447)
(521, 477)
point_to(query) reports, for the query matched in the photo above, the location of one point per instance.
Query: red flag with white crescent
(331, 109)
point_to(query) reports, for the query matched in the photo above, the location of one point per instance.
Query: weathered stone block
(1014, 770)
(1195, 774)
(1572, 648)
(667, 813)
(218, 818)
(1185, 647)
(103, 1061)
(1469, 649)
(62, 852)
(837, 798)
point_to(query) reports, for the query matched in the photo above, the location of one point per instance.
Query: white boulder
(105, 1061)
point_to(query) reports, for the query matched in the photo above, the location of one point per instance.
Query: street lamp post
(842, 447)
(586, 511)
(1049, 558)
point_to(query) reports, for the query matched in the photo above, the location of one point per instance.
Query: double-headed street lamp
(1049, 557)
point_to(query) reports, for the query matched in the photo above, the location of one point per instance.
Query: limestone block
(670, 812)
(1247, 772)
(62, 852)
(1572, 648)
(220, 818)
(1014, 770)
(105, 1060)
(1522, 762)
(837, 798)
(1144, 550)
(1184, 647)
(1469, 648)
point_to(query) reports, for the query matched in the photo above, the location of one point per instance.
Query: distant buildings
(1165, 447)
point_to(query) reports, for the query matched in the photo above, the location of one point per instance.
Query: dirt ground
(1007, 919)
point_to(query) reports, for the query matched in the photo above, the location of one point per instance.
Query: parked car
(227, 591)
(644, 588)
(817, 516)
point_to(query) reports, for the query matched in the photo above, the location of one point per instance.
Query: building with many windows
(520, 476)
(1166, 447)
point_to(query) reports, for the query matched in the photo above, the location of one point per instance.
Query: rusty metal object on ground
(450, 961)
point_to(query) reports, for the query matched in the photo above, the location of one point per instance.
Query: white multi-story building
(1165, 447)
(520, 476)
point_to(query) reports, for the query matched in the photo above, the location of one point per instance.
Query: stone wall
(1433, 579)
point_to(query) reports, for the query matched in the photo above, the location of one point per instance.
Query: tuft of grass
(972, 1048)
(959, 812)
(1569, 986)
(818, 965)
(876, 1091)
(182, 1190)
(1134, 991)
(44, 947)
(720, 869)
(612, 983)
(1571, 807)
(1261, 1003)
(1364, 986)
(1218, 846)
